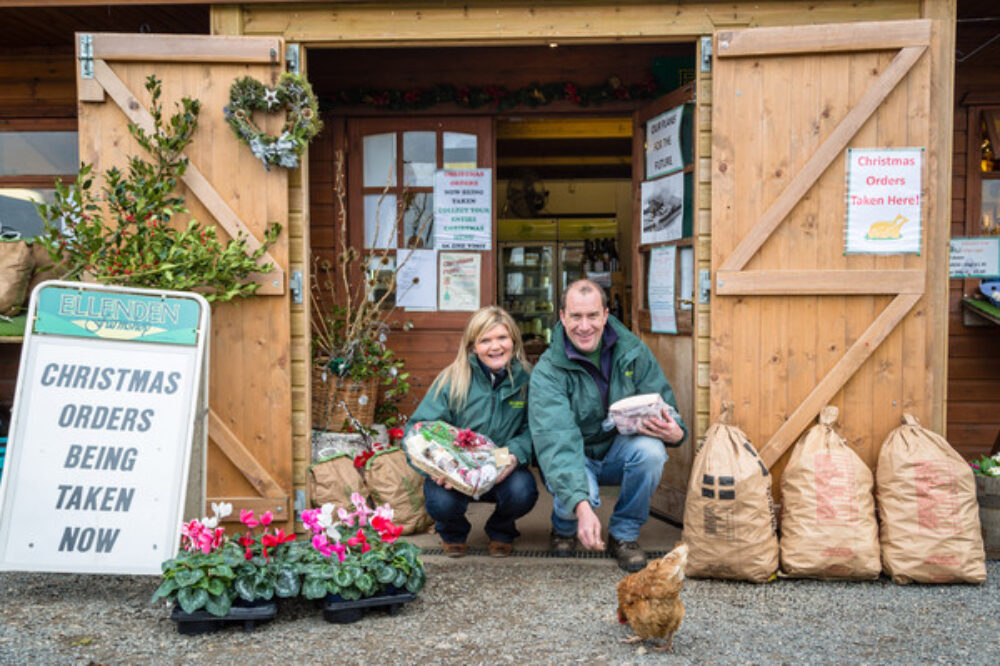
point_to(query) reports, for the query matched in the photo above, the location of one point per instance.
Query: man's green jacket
(501, 413)
(566, 410)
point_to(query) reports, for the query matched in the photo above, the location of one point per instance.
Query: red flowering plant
(357, 554)
(268, 566)
(202, 574)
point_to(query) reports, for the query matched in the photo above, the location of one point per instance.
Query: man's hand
(664, 429)
(506, 472)
(588, 527)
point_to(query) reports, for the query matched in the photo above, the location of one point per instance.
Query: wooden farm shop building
(767, 191)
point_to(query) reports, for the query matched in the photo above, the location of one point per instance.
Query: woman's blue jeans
(514, 497)
(635, 462)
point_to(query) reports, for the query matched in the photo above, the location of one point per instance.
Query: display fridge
(527, 287)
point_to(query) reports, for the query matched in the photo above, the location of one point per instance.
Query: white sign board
(883, 200)
(663, 143)
(662, 288)
(975, 257)
(102, 427)
(463, 209)
(662, 209)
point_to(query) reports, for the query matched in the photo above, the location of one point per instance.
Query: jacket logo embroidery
(629, 373)
(516, 404)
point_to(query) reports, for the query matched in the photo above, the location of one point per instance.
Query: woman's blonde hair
(458, 373)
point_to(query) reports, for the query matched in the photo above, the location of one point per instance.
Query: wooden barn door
(675, 352)
(249, 460)
(796, 323)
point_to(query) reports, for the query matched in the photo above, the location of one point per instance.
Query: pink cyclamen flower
(346, 518)
(248, 519)
(310, 518)
(266, 519)
(320, 543)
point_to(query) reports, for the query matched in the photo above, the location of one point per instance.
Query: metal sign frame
(111, 386)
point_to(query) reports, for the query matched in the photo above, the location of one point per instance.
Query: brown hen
(649, 600)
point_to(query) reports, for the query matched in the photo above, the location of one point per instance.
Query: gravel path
(479, 611)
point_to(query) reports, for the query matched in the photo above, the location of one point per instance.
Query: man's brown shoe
(500, 549)
(454, 549)
(630, 556)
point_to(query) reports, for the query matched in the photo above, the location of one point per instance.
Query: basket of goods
(468, 461)
(628, 413)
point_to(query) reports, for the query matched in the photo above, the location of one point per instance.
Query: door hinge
(292, 58)
(706, 54)
(86, 56)
(295, 286)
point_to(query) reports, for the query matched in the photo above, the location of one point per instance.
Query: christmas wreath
(302, 123)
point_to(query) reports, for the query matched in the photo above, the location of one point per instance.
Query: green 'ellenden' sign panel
(117, 316)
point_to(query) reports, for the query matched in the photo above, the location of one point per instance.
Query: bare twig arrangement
(348, 333)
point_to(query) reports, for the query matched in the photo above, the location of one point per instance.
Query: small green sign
(117, 316)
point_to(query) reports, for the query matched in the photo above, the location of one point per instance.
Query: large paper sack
(16, 265)
(333, 480)
(927, 503)
(828, 526)
(392, 481)
(728, 515)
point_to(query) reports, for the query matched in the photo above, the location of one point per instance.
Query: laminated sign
(102, 428)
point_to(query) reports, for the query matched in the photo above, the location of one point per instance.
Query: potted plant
(987, 473)
(128, 235)
(268, 567)
(201, 581)
(351, 324)
(355, 560)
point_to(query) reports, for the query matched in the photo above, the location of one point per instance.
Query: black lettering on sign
(101, 539)
(101, 457)
(94, 498)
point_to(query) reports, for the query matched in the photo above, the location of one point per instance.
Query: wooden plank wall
(973, 361)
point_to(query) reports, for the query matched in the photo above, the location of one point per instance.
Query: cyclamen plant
(986, 465)
(268, 568)
(357, 554)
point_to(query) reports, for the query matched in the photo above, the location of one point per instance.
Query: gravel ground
(520, 610)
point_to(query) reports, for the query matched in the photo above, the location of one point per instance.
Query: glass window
(18, 216)
(419, 158)
(380, 220)
(38, 153)
(380, 160)
(459, 150)
(418, 220)
(381, 269)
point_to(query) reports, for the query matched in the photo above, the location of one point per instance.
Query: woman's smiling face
(494, 347)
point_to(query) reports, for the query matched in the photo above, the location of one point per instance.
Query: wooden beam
(818, 282)
(873, 36)
(579, 160)
(834, 380)
(565, 128)
(244, 461)
(821, 159)
(272, 283)
(187, 48)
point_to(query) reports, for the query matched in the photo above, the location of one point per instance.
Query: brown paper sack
(828, 525)
(728, 515)
(16, 265)
(333, 480)
(927, 504)
(392, 481)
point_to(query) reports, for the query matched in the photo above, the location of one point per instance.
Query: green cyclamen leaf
(400, 579)
(218, 604)
(287, 583)
(216, 586)
(314, 588)
(386, 575)
(164, 590)
(192, 598)
(245, 589)
(343, 577)
(415, 582)
(189, 577)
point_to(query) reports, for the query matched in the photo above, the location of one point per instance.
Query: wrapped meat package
(468, 461)
(627, 414)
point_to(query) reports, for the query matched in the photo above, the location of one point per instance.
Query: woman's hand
(441, 481)
(504, 474)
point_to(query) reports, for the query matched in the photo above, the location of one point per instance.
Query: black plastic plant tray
(202, 622)
(345, 612)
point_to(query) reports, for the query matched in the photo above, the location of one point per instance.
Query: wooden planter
(359, 397)
(988, 494)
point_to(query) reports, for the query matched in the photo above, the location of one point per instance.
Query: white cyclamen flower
(222, 509)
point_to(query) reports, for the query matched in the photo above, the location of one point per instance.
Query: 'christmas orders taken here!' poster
(883, 200)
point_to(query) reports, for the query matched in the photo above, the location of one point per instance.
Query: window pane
(419, 158)
(17, 211)
(38, 153)
(418, 220)
(383, 278)
(991, 208)
(380, 160)
(459, 150)
(380, 220)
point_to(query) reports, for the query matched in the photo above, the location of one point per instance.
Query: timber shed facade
(775, 317)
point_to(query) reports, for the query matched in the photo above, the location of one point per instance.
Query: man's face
(584, 319)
